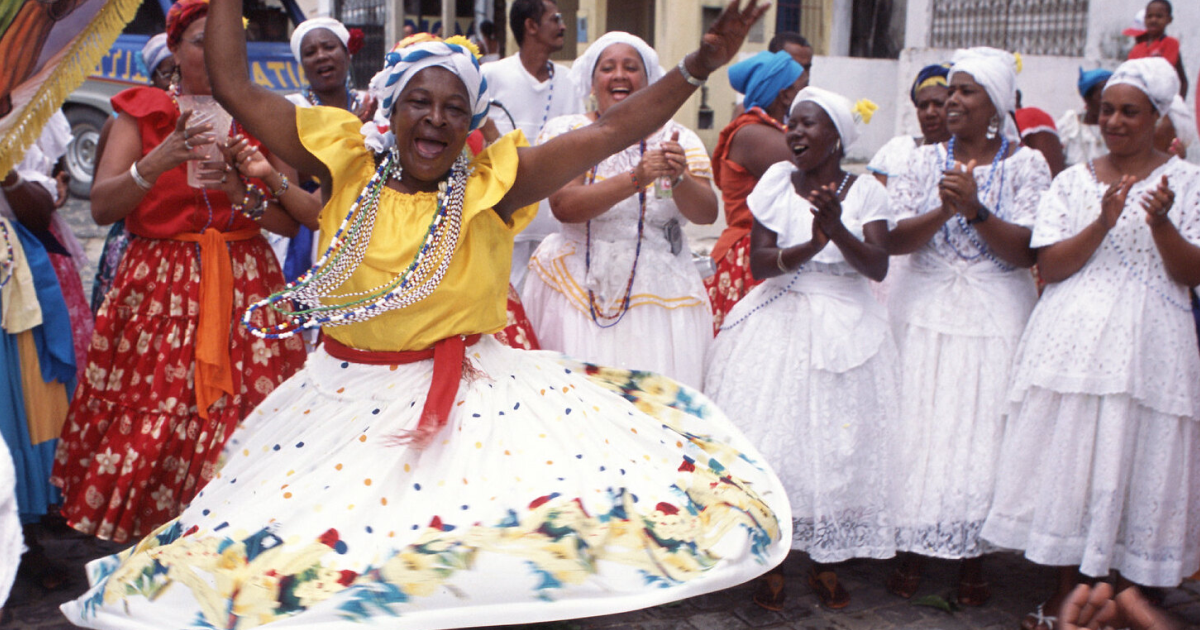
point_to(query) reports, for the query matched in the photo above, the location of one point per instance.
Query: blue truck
(87, 108)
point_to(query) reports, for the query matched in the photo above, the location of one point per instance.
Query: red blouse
(735, 182)
(1167, 48)
(171, 207)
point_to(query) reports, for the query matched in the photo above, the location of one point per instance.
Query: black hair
(487, 29)
(1170, 9)
(525, 10)
(787, 37)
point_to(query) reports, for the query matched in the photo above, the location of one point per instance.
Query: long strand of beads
(637, 254)
(1124, 259)
(6, 264)
(416, 283)
(549, 94)
(782, 292)
(998, 164)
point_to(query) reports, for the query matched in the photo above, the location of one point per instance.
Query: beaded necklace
(637, 254)
(790, 284)
(6, 265)
(966, 228)
(346, 252)
(549, 95)
(352, 102)
(1121, 254)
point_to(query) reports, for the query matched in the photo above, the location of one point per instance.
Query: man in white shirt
(527, 90)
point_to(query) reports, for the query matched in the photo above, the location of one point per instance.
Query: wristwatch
(980, 216)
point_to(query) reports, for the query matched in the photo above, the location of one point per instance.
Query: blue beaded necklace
(998, 164)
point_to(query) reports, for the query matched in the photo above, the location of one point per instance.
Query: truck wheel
(86, 124)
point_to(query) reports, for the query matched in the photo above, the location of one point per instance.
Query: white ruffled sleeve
(1055, 219)
(1031, 180)
(768, 201)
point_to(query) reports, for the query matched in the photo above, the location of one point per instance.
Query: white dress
(806, 367)
(1081, 142)
(957, 315)
(12, 542)
(668, 328)
(1101, 460)
(894, 157)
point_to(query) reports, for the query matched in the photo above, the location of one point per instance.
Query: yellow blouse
(472, 296)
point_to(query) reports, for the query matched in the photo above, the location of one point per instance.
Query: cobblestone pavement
(1017, 585)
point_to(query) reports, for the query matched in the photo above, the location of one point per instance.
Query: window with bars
(807, 17)
(1031, 27)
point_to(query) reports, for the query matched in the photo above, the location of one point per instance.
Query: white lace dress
(806, 367)
(957, 315)
(1101, 459)
(668, 328)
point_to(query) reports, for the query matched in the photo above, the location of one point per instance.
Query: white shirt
(531, 103)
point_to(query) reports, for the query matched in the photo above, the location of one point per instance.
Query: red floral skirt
(731, 282)
(519, 332)
(134, 449)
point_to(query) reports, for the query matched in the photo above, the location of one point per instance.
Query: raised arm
(546, 168)
(266, 115)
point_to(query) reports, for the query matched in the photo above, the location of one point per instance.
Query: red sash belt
(214, 374)
(448, 356)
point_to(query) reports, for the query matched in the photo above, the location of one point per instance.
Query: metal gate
(1033, 27)
(370, 16)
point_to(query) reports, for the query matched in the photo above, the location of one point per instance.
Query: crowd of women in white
(982, 417)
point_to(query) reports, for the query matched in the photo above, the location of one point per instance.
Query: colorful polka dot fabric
(556, 490)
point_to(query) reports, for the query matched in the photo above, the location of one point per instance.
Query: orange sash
(214, 374)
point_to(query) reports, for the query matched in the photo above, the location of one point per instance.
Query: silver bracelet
(137, 177)
(779, 262)
(13, 186)
(687, 76)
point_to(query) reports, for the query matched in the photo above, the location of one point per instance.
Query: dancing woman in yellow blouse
(417, 472)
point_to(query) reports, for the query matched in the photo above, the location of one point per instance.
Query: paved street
(1017, 584)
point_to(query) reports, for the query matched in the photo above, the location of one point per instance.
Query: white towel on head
(996, 71)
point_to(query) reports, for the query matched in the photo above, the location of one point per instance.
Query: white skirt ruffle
(556, 490)
(1099, 482)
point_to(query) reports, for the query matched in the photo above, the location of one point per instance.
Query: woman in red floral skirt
(169, 374)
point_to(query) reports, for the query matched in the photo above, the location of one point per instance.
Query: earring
(993, 128)
(397, 168)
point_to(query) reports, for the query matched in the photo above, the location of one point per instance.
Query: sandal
(829, 590)
(770, 593)
(903, 585)
(974, 594)
(1039, 620)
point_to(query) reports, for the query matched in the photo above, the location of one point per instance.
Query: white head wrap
(154, 52)
(585, 65)
(1183, 118)
(311, 24)
(844, 114)
(1154, 76)
(996, 71)
(399, 67)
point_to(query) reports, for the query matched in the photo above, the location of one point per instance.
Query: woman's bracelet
(779, 262)
(283, 186)
(255, 212)
(687, 76)
(137, 177)
(633, 178)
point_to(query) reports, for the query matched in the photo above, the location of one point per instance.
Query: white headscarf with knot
(1154, 76)
(399, 67)
(844, 114)
(311, 24)
(585, 65)
(996, 71)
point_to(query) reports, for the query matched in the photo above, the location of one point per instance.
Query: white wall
(856, 78)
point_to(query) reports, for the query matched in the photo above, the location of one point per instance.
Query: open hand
(185, 142)
(1113, 201)
(959, 190)
(1095, 608)
(827, 209)
(726, 35)
(1157, 203)
(676, 159)
(250, 162)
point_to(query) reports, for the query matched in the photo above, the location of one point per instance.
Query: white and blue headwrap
(401, 66)
(153, 53)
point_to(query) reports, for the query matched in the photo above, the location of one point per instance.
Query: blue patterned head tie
(399, 67)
